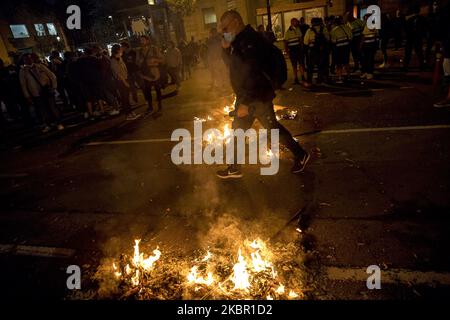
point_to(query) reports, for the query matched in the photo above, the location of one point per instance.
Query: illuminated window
(151, 2)
(40, 30)
(19, 31)
(51, 29)
(209, 16)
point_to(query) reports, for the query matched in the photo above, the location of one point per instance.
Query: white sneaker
(114, 112)
(442, 104)
(60, 127)
(131, 117)
(46, 129)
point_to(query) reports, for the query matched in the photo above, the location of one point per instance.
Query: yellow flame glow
(240, 276)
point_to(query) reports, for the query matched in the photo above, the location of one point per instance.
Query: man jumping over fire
(249, 58)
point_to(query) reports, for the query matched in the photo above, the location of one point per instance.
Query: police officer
(293, 44)
(357, 27)
(369, 48)
(341, 36)
(317, 40)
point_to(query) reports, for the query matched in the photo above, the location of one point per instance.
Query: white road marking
(36, 251)
(389, 275)
(127, 142)
(386, 129)
(337, 131)
(349, 92)
(358, 91)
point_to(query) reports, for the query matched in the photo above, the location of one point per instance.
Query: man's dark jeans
(263, 111)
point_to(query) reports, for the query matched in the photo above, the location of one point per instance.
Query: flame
(256, 244)
(227, 109)
(258, 263)
(135, 278)
(116, 273)
(128, 269)
(280, 289)
(226, 133)
(138, 258)
(207, 257)
(193, 277)
(253, 265)
(240, 276)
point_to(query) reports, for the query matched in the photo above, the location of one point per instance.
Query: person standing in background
(174, 61)
(293, 45)
(357, 27)
(120, 75)
(341, 36)
(38, 85)
(129, 57)
(369, 48)
(148, 59)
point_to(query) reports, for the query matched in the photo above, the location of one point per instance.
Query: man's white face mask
(229, 36)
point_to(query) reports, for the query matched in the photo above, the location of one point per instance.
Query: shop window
(40, 29)
(51, 29)
(19, 31)
(209, 16)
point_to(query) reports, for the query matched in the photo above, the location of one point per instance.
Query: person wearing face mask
(249, 57)
(120, 75)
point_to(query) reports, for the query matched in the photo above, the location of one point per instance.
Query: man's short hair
(232, 14)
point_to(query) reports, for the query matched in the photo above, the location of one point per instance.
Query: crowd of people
(97, 83)
(328, 44)
(94, 82)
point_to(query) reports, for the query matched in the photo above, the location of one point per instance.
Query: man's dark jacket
(247, 58)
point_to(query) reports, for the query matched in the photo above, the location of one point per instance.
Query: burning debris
(254, 272)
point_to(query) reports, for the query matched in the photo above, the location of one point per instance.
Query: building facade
(31, 33)
(254, 12)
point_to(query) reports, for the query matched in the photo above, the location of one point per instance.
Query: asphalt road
(377, 189)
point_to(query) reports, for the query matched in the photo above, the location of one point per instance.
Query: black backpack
(320, 42)
(276, 68)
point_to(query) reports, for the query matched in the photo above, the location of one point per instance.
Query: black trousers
(368, 57)
(355, 46)
(263, 111)
(417, 46)
(147, 89)
(317, 58)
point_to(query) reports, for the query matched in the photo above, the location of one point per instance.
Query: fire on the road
(250, 274)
